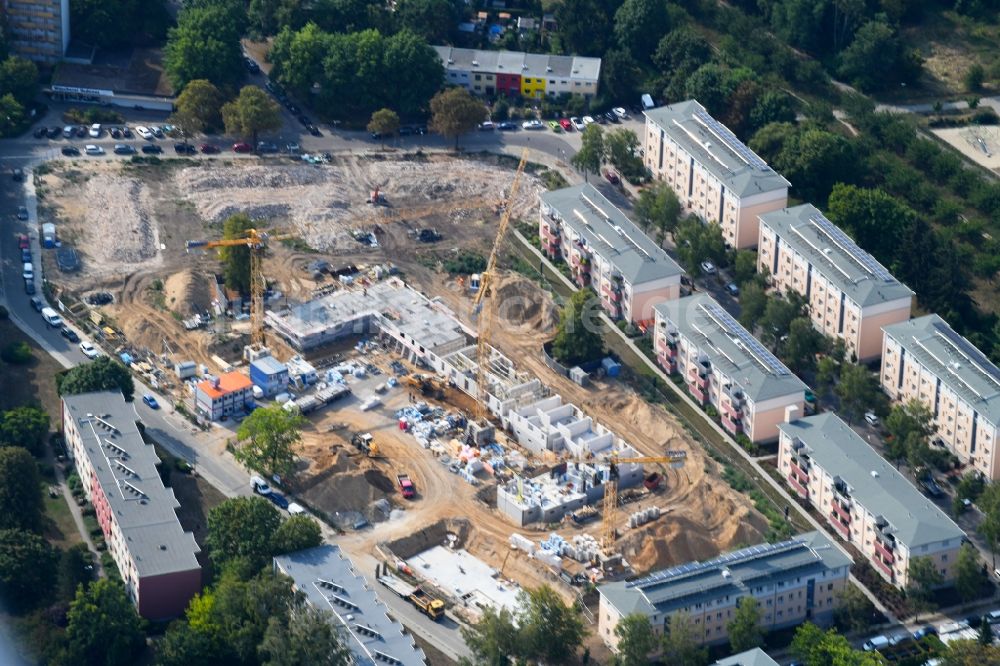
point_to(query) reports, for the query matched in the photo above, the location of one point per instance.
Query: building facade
(228, 394)
(850, 295)
(865, 499)
(38, 29)
(269, 375)
(923, 359)
(156, 558)
(513, 73)
(794, 581)
(725, 367)
(607, 252)
(714, 175)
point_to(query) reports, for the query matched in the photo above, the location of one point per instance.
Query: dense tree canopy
(27, 568)
(241, 531)
(588, 158)
(103, 627)
(205, 44)
(236, 259)
(296, 533)
(117, 23)
(25, 426)
(434, 20)
(639, 26)
(306, 638)
(252, 112)
(102, 374)
(455, 112)
(197, 108)
(20, 490)
(812, 159)
(876, 59)
(578, 337)
(266, 440)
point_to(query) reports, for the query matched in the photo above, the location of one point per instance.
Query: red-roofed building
(230, 393)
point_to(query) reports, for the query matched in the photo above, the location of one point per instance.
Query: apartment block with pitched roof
(518, 74)
(851, 296)
(714, 175)
(924, 359)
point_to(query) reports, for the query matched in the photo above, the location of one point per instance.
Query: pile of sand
(345, 492)
(519, 304)
(187, 293)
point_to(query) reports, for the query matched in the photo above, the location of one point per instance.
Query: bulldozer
(365, 443)
(429, 386)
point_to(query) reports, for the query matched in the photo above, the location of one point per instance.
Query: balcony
(884, 552)
(734, 427)
(802, 490)
(840, 511)
(800, 473)
(731, 411)
(697, 393)
(886, 569)
(843, 529)
(583, 279)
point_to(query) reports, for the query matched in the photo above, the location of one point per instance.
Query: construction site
(452, 451)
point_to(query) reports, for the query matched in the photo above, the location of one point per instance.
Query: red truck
(406, 486)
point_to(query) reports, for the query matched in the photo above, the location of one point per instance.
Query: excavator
(428, 386)
(364, 442)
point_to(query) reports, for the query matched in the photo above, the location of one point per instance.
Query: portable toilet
(48, 235)
(474, 280)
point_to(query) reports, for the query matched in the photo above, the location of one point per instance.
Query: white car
(295, 509)
(95, 130)
(620, 112)
(577, 123)
(588, 120)
(91, 149)
(708, 268)
(144, 132)
(89, 350)
(871, 419)
(533, 125)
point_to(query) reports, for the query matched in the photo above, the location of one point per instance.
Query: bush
(465, 262)
(91, 115)
(16, 353)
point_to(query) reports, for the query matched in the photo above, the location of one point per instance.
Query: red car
(566, 124)
(612, 177)
(209, 149)
(22, 242)
(242, 148)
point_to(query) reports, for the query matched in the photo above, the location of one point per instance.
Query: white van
(647, 101)
(259, 485)
(876, 643)
(29, 271)
(51, 317)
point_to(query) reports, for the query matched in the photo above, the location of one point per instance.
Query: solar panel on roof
(850, 247)
(759, 351)
(730, 139)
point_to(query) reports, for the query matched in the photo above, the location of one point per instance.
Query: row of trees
(620, 147)
(18, 87)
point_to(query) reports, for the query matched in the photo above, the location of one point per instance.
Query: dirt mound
(519, 303)
(346, 492)
(187, 293)
(432, 535)
(379, 480)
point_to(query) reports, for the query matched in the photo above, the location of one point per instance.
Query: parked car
(150, 400)
(577, 123)
(144, 133)
(871, 419)
(533, 125)
(875, 643)
(70, 151)
(242, 148)
(305, 120)
(92, 149)
(612, 177)
(208, 149)
(89, 350)
(924, 631)
(279, 500)
(81, 131)
(185, 149)
(259, 485)
(53, 132)
(39, 132)
(708, 268)
(69, 131)
(151, 149)
(507, 126)
(115, 133)
(22, 213)
(157, 131)
(565, 124)
(17, 174)
(733, 289)
(932, 487)
(37, 304)
(252, 65)
(126, 132)
(69, 334)
(314, 130)
(95, 131)
(487, 126)
(611, 117)
(26, 256)
(620, 112)
(29, 287)
(22, 239)
(588, 120)
(124, 149)
(292, 148)
(266, 147)
(555, 126)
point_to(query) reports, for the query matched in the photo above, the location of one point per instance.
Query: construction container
(48, 235)
(612, 368)
(186, 369)
(269, 374)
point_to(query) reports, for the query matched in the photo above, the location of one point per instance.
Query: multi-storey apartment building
(155, 556)
(38, 29)
(713, 173)
(754, 657)
(724, 366)
(793, 582)
(851, 296)
(865, 499)
(514, 74)
(923, 359)
(607, 252)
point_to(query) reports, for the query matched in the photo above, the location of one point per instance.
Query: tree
(588, 158)
(815, 648)
(197, 107)
(989, 526)
(455, 112)
(697, 242)
(854, 610)
(492, 640)
(744, 266)
(76, 568)
(585, 26)
(806, 641)
(306, 638)
(434, 20)
(744, 629)
(856, 390)
(969, 487)
(384, 122)
(985, 631)
(17, 352)
(826, 373)
(771, 106)
(910, 426)
(296, 533)
(658, 208)
(549, 630)
(19, 77)
(621, 74)
(681, 642)
(27, 568)
(206, 45)
(639, 26)
(103, 627)
(779, 315)
(578, 337)
(812, 158)
(682, 49)
(266, 438)
(970, 653)
(11, 115)
(636, 640)
(241, 531)
(876, 220)
(621, 146)
(968, 573)
(20, 490)
(803, 344)
(268, 16)
(877, 59)
(110, 24)
(251, 113)
(924, 581)
(102, 374)
(236, 259)
(974, 77)
(25, 426)
(753, 302)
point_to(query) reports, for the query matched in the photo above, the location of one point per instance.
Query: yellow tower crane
(256, 240)
(674, 458)
(485, 279)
